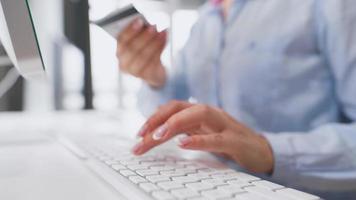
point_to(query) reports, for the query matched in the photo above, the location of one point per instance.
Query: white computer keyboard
(166, 177)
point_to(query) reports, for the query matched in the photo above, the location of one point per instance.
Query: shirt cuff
(150, 98)
(284, 155)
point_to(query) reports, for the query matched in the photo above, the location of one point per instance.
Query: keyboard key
(233, 189)
(249, 196)
(216, 194)
(185, 193)
(154, 163)
(118, 167)
(208, 170)
(195, 166)
(172, 173)
(214, 182)
(126, 172)
(169, 185)
(146, 172)
(175, 166)
(185, 179)
(186, 171)
(269, 194)
(158, 178)
(162, 195)
(240, 183)
(162, 168)
(244, 176)
(137, 179)
(296, 195)
(224, 177)
(137, 167)
(268, 185)
(199, 175)
(148, 187)
(197, 198)
(129, 162)
(199, 186)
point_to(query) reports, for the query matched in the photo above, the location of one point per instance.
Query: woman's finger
(131, 49)
(130, 31)
(149, 141)
(162, 115)
(188, 120)
(144, 145)
(143, 39)
(194, 116)
(150, 52)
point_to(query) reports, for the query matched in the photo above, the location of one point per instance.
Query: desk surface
(122, 122)
(32, 166)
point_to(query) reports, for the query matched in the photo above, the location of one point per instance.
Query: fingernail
(142, 131)
(160, 132)
(138, 24)
(185, 141)
(137, 148)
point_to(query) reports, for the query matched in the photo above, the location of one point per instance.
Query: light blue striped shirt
(286, 68)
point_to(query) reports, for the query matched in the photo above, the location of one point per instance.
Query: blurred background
(80, 58)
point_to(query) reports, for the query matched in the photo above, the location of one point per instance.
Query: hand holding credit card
(118, 20)
(139, 45)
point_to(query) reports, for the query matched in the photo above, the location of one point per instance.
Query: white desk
(34, 167)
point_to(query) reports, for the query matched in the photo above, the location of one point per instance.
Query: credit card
(117, 21)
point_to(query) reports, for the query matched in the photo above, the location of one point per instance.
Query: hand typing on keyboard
(208, 129)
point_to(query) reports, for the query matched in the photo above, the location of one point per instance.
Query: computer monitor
(18, 36)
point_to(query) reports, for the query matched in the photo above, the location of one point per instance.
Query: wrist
(269, 158)
(158, 79)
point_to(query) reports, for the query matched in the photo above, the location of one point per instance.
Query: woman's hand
(139, 50)
(208, 129)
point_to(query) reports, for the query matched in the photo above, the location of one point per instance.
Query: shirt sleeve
(325, 158)
(175, 88)
(177, 85)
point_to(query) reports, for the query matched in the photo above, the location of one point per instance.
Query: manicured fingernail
(142, 131)
(138, 24)
(137, 148)
(185, 141)
(160, 132)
